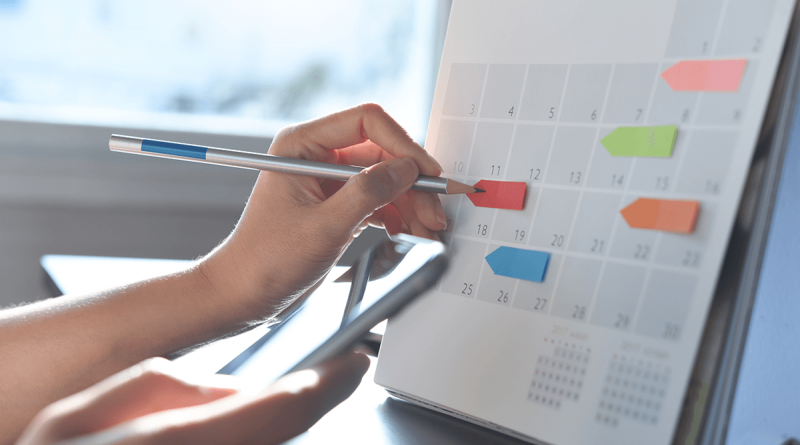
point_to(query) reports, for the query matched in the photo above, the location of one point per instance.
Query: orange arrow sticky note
(499, 195)
(705, 75)
(662, 214)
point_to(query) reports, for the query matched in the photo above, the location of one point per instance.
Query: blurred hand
(155, 402)
(294, 228)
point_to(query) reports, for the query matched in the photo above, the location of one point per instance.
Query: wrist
(236, 291)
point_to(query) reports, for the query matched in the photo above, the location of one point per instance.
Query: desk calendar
(576, 320)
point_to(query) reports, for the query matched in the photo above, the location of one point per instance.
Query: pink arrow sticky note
(705, 75)
(499, 195)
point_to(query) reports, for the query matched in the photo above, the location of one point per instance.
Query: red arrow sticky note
(662, 214)
(499, 195)
(705, 75)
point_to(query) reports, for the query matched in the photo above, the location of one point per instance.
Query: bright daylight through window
(236, 66)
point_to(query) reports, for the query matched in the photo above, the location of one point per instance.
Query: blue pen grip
(171, 148)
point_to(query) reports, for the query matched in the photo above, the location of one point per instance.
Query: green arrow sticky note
(645, 142)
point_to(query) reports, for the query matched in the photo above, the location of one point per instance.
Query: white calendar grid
(575, 71)
(681, 263)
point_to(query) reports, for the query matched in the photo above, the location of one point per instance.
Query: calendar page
(613, 138)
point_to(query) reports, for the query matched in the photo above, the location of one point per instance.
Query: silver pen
(258, 161)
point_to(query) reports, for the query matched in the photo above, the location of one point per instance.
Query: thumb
(370, 190)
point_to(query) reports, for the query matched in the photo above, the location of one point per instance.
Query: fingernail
(205, 390)
(439, 211)
(436, 163)
(403, 171)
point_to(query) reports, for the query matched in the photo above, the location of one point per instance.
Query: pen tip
(477, 190)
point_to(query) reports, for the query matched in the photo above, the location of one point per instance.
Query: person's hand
(154, 402)
(294, 228)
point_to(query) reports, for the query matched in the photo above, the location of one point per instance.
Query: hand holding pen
(295, 227)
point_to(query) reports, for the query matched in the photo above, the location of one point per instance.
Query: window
(231, 67)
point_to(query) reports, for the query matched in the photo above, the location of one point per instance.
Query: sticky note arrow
(499, 195)
(648, 142)
(662, 214)
(705, 75)
(530, 265)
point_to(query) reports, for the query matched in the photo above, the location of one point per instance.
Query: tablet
(611, 306)
(338, 314)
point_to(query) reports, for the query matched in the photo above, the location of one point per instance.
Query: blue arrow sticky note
(523, 264)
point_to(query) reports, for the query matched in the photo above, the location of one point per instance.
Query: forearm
(57, 347)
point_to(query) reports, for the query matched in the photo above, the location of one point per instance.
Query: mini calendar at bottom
(612, 138)
(558, 377)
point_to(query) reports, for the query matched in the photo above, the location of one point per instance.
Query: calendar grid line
(602, 115)
(640, 301)
(547, 309)
(483, 266)
(475, 130)
(603, 264)
(718, 27)
(567, 124)
(569, 237)
(682, 154)
(651, 98)
(563, 95)
(589, 256)
(486, 250)
(469, 165)
(655, 250)
(612, 237)
(469, 159)
(508, 163)
(590, 306)
(654, 194)
(659, 236)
